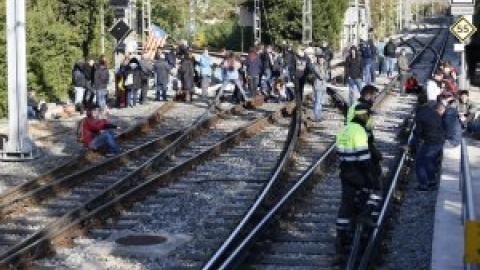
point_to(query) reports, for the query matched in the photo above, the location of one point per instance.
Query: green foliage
(283, 20)
(59, 33)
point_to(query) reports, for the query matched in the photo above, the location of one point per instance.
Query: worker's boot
(342, 247)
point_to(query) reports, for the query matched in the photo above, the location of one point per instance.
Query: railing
(468, 206)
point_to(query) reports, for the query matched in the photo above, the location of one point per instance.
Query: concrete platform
(448, 238)
(447, 246)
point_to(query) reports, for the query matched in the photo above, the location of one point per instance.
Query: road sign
(463, 29)
(458, 47)
(462, 10)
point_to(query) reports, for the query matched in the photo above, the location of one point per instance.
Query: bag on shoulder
(129, 80)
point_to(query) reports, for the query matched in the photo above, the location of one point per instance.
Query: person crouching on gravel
(98, 133)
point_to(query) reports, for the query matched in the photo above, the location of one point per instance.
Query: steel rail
(468, 199)
(85, 158)
(246, 222)
(97, 209)
(374, 238)
(238, 252)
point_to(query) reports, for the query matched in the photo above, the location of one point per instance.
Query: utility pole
(19, 147)
(307, 22)
(257, 23)
(400, 15)
(433, 7)
(191, 26)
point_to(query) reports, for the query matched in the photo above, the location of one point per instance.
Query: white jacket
(433, 90)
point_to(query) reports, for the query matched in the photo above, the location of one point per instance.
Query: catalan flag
(156, 38)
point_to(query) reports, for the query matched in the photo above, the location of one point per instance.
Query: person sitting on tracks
(358, 183)
(98, 133)
(412, 85)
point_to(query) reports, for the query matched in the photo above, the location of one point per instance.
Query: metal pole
(463, 77)
(102, 27)
(400, 15)
(192, 25)
(18, 146)
(367, 17)
(432, 7)
(257, 23)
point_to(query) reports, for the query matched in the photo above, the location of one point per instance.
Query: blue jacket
(205, 64)
(254, 67)
(366, 52)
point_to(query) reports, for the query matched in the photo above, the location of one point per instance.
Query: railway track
(51, 213)
(295, 229)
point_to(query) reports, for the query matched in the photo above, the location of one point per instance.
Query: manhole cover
(141, 240)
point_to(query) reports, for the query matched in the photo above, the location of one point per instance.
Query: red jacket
(411, 83)
(91, 128)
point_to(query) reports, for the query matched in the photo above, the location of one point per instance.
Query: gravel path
(57, 149)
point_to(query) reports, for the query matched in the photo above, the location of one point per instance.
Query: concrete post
(19, 146)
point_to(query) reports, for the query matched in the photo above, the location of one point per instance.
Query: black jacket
(289, 59)
(354, 67)
(138, 75)
(267, 61)
(79, 79)
(89, 71)
(101, 78)
(429, 126)
(161, 69)
(389, 50)
(187, 73)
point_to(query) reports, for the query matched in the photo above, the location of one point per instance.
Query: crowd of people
(444, 114)
(266, 70)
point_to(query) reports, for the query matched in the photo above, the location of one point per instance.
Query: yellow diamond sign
(463, 29)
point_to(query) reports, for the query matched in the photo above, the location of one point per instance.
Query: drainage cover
(141, 240)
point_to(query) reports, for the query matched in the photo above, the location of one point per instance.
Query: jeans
(161, 89)
(352, 84)
(426, 163)
(133, 97)
(31, 113)
(237, 83)
(79, 94)
(205, 83)
(367, 71)
(102, 99)
(389, 65)
(373, 75)
(253, 85)
(266, 81)
(381, 64)
(107, 137)
(403, 79)
(318, 95)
